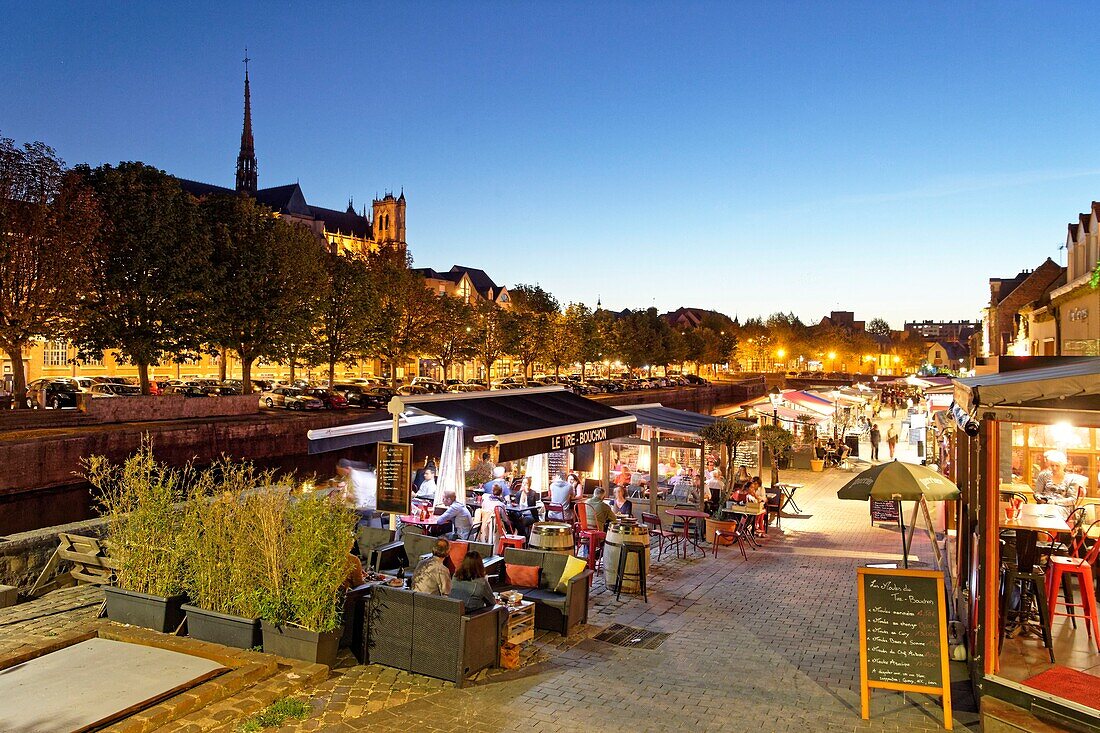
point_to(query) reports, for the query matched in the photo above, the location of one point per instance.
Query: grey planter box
(223, 628)
(297, 643)
(140, 609)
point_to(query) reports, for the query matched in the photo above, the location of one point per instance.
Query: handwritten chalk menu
(394, 469)
(884, 510)
(903, 634)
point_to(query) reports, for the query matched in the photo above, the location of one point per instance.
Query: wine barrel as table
(619, 534)
(552, 537)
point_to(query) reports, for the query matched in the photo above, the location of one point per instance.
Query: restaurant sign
(394, 470)
(564, 441)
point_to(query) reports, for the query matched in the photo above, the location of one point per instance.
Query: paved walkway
(768, 644)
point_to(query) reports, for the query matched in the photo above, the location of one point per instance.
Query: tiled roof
(344, 222)
(482, 282)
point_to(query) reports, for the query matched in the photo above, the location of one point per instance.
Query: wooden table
(430, 526)
(520, 626)
(687, 515)
(1029, 521)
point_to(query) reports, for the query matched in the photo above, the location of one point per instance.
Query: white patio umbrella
(538, 470)
(452, 471)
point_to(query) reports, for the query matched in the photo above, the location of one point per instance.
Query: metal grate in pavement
(631, 637)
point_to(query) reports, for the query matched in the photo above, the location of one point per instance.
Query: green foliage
(269, 277)
(320, 538)
(776, 440)
(222, 552)
(533, 311)
(730, 433)
(878, 327)
(582, 334)
(342, 330)
(405, 314)
(275, 714)
(452, 336)
(492, 325)
(145, 532)
(151, 268)
(48, 224)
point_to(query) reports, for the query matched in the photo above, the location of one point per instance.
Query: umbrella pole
(904, 548)
(912, 528)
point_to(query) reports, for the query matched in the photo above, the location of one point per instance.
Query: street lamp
(775, 395)
(832, 359)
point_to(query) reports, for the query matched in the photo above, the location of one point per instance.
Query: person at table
(527, 499)
(428, 486)
(562, 492)
(623, 478)
(619, 503)
(491, 503)
(755, 491)
(715, 486)
(457, 514)
(354, 568)
(498, 482)
(598, 513)
(431, 575)
(470, 584)
(1053, 485)
(576, 485)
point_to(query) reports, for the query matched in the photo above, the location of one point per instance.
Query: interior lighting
(1065, 436)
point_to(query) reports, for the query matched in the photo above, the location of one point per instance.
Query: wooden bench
(89, 558)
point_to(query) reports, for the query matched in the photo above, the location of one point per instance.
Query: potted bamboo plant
(303, 584)
(223, 554)
(140, 499)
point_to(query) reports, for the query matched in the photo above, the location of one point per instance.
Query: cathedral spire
(246, 159)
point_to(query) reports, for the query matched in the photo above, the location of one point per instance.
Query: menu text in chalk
(903, 634)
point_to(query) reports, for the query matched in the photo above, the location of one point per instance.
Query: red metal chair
(654, 523)
(1064, 568)
(504, 539)
(736, 535)
(553, 512)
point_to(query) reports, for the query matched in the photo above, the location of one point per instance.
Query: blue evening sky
(885, 158)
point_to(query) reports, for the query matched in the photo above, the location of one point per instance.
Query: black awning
(673, 420)
(366, 433)
(526, 422)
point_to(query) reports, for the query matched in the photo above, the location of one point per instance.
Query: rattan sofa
(429, 635)
(404, 554)
(554, 611)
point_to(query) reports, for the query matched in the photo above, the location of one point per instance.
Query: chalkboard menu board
(884, 510)
(394, 469)
(903, 634)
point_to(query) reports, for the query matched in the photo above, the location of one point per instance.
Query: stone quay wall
(23, 555)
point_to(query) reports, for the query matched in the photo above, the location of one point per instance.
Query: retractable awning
(1076, 379)
(522, 422)
(324, 440)
(672, 420)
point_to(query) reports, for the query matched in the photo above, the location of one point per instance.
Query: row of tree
(120, 258)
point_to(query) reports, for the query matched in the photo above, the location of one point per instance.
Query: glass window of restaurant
(1015, 453)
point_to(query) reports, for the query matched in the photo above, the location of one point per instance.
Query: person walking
(876, 438)
(892, 439)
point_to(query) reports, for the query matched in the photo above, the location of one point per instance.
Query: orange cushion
(522, 576)
(457, 554)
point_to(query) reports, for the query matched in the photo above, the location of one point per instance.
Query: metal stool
(1013, 579)
(641, 552)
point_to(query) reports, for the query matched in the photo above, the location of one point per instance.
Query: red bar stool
(504, 539)
(1063, 568)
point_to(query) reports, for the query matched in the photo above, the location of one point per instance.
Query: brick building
(1002, 323)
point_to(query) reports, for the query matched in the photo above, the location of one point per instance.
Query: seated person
(431, 575)
(525, 499)
(427, 486)
(755, 491)
(619, 503)
(470, 585)
(486, 515)
(457, 514)
(598, 513)
(1054, 486)
(563, 492)
(355, 575)
(623, 479)
(498, 481)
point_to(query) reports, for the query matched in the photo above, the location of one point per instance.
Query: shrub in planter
(139, 498)
(302, 601)
(222, 556)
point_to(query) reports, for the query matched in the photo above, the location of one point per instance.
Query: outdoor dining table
(787, 491)
(431, 526)
(749, 510)
(1031, 519)
(687, 515)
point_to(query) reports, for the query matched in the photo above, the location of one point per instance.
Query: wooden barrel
(619, 534)
(552, 537)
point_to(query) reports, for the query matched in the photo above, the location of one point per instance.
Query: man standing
(892, 439)
(876, 438)
(431, 576)
(360, 488)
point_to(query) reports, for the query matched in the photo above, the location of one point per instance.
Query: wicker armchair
(554, 611)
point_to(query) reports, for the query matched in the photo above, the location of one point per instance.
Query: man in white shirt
(360, 488)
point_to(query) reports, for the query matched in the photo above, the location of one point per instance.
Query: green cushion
(553, 565)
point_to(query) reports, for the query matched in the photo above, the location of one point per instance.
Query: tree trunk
(392, 361)
(223, 365)
(775, 468)
(246, 373)
(331, 372)
(19, 375)
(143, 377)
(292, 370)
(489, 372)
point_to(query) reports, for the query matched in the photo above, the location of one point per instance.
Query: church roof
(287, 199)
(344, 222)
(481, 280)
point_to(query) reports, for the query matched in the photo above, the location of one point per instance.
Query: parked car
(111, 389)
(412, 389)
(53, 392)
(290, 398)
(331, 399)
(431, 385)
(187, 390)
(695, 380)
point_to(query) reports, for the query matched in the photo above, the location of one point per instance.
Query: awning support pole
(396, 438)
(654, 478)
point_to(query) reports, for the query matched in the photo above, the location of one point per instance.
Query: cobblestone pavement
(769, 644)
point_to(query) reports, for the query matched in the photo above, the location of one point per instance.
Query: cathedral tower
(246, 159)
(389, 220)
